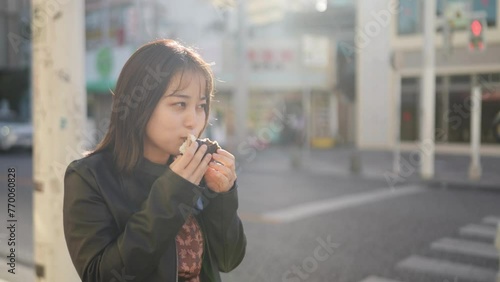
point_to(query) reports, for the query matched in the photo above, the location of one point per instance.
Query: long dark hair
(142, 82)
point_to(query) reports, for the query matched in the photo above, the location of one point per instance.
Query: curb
(461, 185)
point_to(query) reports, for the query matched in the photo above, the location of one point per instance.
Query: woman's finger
(217, 181)
(226, 153)
(201, 169)
(176, 164)
(197, 158)
(226, 171)
(186, 158)
(224, 160)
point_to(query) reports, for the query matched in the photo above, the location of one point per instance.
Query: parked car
(15, 134)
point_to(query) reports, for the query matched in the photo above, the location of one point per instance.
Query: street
(313, 225)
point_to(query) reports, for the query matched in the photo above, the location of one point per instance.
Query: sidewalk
(450, 170)
(23, 273)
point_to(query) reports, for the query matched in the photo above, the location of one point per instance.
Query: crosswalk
(476, 241)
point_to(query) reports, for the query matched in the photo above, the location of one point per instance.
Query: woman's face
(180, 112)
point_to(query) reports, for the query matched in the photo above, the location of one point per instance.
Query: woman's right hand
(192, 165)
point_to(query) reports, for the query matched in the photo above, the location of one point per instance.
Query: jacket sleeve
(224, 229)
(98, 250)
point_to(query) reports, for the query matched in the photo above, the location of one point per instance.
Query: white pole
(396, 66)
(475, 124)
(240, 97)
(308, 121)
(397, 122)
(59, 105)
(428, 103)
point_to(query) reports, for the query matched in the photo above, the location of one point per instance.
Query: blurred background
(367, 132)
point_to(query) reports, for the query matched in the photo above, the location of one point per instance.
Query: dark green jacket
(123, 227)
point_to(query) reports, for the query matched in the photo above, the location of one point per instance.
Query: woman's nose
(190, 118)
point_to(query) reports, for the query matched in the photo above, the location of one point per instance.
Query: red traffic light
(476, 27)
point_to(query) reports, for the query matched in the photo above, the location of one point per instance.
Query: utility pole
(59, 113)
(396, 67)
(428, 103)
(240, 98)
(475, 125)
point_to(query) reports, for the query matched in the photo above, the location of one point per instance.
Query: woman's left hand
(221, 172)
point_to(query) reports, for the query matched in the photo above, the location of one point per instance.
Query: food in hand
(212, 146)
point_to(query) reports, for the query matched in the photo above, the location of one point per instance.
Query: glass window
(489, 6)
(93, 32)
(490, 110)
(410, 92)
(94, 26)
(3, 42)
(410, 18)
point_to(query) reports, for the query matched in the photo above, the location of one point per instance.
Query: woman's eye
(180, 105)
(202, 106)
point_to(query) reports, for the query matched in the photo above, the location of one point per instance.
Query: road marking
(319, 207)
(377, 279)
(491, 220)
(479, 231)
(446, 268)
(466, 247)
(245, 216)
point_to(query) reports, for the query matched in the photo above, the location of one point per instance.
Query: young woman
(137, 210)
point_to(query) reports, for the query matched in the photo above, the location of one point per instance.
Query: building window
(490, 108)
(117, 21)
(453, 109)
(410, 93)
(488, 6)
(93, 29)
(410, 18)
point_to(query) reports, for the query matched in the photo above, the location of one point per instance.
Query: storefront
(453, 107)
(288, 103)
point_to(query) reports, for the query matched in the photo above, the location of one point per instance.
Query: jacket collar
(152, 168)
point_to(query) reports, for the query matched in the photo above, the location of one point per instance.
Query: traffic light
(477, 28)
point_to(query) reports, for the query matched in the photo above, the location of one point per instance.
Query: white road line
(377, 279)
(446, 268)
(319, 207)
(466, 247)
(477, 230)
(491, 220)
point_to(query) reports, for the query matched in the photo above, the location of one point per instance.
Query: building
(292, 56)
(293, 65)
(116, 28)
(15, 59)
(393, 29)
